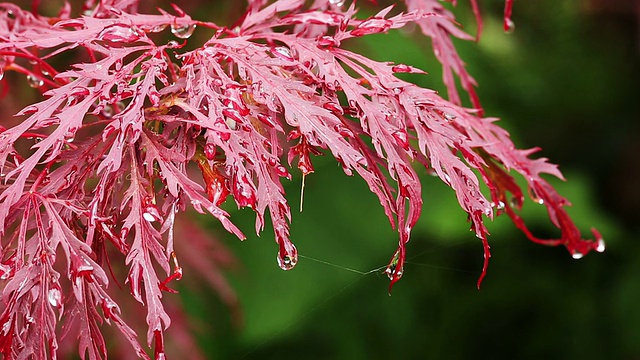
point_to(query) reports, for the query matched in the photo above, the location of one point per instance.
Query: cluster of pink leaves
(111, 151)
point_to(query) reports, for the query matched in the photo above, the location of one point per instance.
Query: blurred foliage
(558, 82)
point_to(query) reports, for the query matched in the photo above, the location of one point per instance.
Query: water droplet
(287, 262)
(107, 112)
(29, 110)
(154, 97)
(509, 26)
(124, 233)
(449, 117)
(119, 33)
(210, 151)
(402, 138)
(44, 72)
(183, 32)
(158, 28)
(151, 213)
(534, 196)
(372, 26)
(601, 246)
(1, 73)
(55, 297)
(328, 41)
(337, 2)
(70, 134)
(333, 107)
(577, 255)
(173, 44)
(34, 81)
(499, 206)
(282, 53)
(401, 68)
(282, 171)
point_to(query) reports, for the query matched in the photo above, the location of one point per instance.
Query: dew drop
(333, 107)
(402, 138)
(401, 68)
(337, 2)
(287, 262)
(509, 26)
(124, 233)
(154, 97)
(183, 32)
(449, 117)
(29, 110)
(55, 297)
(158, 28)
(107, 112)
(534, 196)
(282, 171)
(210, 151)
(601, 246)
(151, 213)
(34, 81)
(577, 255)
(283, 53)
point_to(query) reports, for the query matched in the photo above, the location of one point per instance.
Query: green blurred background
(566, 80)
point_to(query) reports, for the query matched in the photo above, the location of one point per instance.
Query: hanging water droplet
(509, 26)
(44, 72)
(601, 246)
(34, 81)
(287, 262)
(55, 297)
(107, 112)
(151, 213)
(337, 2)
(282, 171)
(577, 255)
(183, 32)
(402, 138)
(210, 151)
(534, 196)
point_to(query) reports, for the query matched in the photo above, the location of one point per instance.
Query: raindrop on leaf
(287, 262)
(55, 297)
(34, 81)
(509, 26)
(183, 32)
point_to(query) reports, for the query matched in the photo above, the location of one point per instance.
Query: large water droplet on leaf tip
(287, 262)
(577, 255)
(509, 26)
(601, 246)
(183, 32)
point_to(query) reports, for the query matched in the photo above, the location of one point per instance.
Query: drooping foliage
(134, 131)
